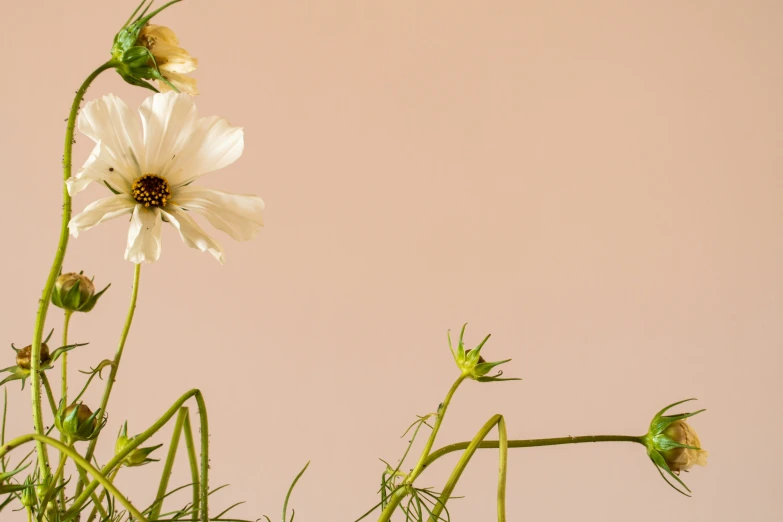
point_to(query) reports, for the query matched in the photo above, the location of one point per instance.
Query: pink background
(598, 184)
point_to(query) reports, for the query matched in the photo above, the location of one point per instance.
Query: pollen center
(151, 190)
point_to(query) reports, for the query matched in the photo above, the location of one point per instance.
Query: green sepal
(475, 353)
(497, 378)
(482, 369)
(451, 347)
(17, 373)
(129, 78)
(666, 443)
(90, 304)
(11, 488)
(659, 424)
(660, 464)
(8, 474)
(72, 298)
(61, 350)
(670, 406)
(113, 190)
(461, 345)
(136, 56)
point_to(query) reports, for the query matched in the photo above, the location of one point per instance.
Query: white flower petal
(101, 210)
(185, 84)
(167, 121)
(144, 239)
(192, 234)
(108, 121)
(102, 166)
(214, 144)
(239, 216)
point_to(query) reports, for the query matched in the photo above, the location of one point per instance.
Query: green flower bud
(78, 422)
(472, 364)
(75, 293)
(24, 357)
(673, 445)
(28, 496)
(137, 457)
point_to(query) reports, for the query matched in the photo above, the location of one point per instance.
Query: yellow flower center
(151, 190)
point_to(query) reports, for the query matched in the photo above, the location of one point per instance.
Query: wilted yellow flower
(673, 446)
(683, 459)
(173, 61)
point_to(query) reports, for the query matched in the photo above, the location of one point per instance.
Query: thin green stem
(49, 395)
(29, 514)
(460, 467)
(193, 462)
(115, 365)
(64, 359)
(502, 469)
(531, 443)
(402, 491)
(169, 464)
(80, 462)
(94, 511)
(54, 271)
(48, 494)
(417, 469)
(143, 436)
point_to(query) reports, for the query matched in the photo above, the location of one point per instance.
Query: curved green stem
(502, 468)
(417, 469)
(54, 271)
(169, 464)
(460, 467)
(531, 443)
(115, 365)
(139, 439)
(80, 462)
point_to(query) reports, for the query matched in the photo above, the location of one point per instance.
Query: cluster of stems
(90, 477)
(405, 488)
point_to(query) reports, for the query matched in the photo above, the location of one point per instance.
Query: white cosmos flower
(150, 161)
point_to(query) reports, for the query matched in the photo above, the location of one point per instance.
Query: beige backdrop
(598, 184)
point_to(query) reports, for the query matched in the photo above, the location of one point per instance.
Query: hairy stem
(169, 464)
(54, 271)
(431, 440)
(531, 443)
(143, 436)
(115, 366)
(192, 460)
(80, 462)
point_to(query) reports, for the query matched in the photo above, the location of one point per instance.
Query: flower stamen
(151, 190)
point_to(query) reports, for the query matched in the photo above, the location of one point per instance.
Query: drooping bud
(472, 364)
(138, 456)
(143, 52)
(673, 445)
(75, 293)
(78, 422)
